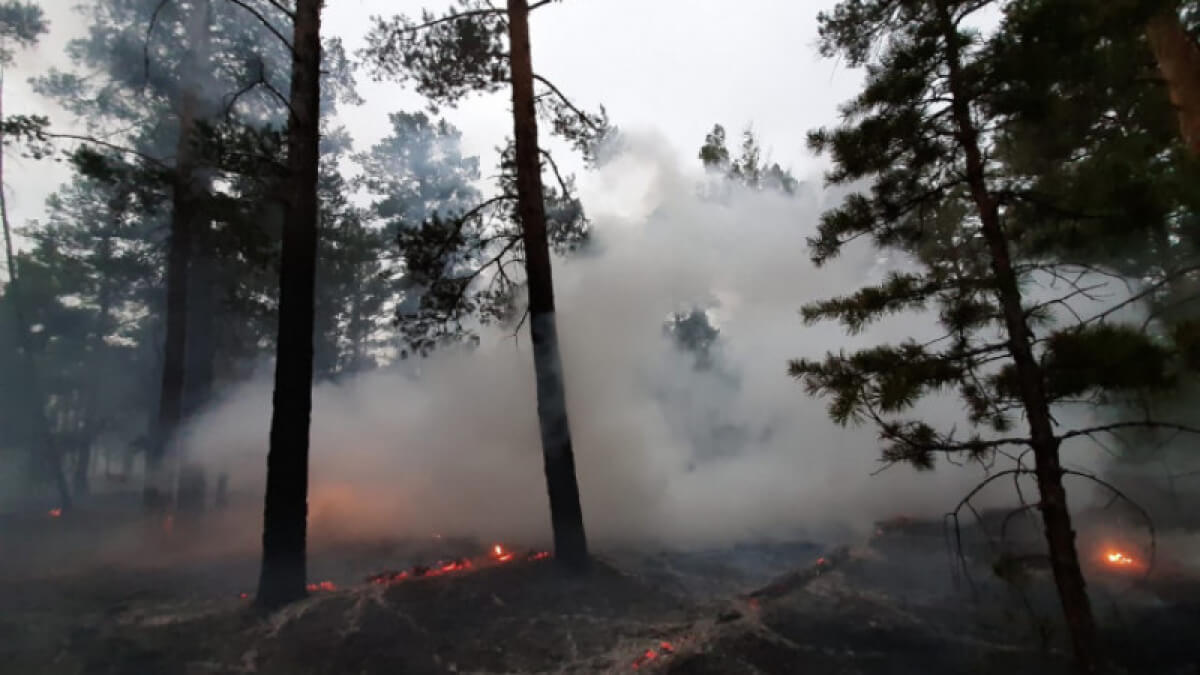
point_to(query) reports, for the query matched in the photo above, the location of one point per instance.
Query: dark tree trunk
(48, 453)
(566, 515)
(1060, 537)
(201, 324)
(179, 256)
(282, 576)
(1178, 58)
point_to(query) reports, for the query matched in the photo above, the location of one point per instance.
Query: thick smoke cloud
(454, 449)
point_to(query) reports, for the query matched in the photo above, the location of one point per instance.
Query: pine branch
(1144, 424)
(1149, 290)
(280, 6)
(489, 11)
(146, 42)
(111, 146)
(554, 167)
(587, 119)
(264, 21)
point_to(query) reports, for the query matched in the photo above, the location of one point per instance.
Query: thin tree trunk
(1060, 537)
(49, 452)
(282, 576)
(92, 418)
(179, 257)
(201, 324)
(1178, 58)
(566, 515)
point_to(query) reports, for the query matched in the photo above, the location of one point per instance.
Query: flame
(664, 650)
(1118, 558)
(55, 512)
(243, 596)
(321, 586)
(496, 555)
(648, 656)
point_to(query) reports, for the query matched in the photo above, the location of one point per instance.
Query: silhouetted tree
(282, 577)
(480, 48)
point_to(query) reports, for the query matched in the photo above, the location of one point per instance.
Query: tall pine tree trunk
(1178, 58)
(48, 454)
(179, 257)
(202, 318)
(282, 576)
(566, 515)
(1060, 537)
(95, 392)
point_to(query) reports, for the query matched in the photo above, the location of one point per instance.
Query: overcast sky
(671, 66)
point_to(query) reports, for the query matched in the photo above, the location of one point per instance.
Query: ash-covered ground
(902, 602)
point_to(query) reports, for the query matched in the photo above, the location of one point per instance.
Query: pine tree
(282, 576)
(480, 48)
(929, 129)
(23, 23)
(747, 169)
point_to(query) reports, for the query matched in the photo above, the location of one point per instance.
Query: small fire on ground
(55, 512)
(664, 650)
(497, 556)
(1118, 559)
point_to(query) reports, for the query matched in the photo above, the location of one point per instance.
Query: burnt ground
(891, 606)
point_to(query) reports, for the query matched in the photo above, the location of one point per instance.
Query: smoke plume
(455, 449)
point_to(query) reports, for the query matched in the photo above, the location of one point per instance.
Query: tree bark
(1060, 537)
(566, 515)
(282, 576)
(1178, 58)
(179, 257)
(201, 324)
(49, 453)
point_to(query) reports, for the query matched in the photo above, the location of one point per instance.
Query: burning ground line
(496, 557)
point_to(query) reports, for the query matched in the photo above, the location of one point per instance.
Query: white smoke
(456, 450)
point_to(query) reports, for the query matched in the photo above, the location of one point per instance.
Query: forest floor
(898, 604)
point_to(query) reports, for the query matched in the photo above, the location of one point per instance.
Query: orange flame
(55, 512)
(1118, 558)
(645, 658)
(321, 586)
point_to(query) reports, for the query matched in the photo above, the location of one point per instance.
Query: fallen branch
(794, 581)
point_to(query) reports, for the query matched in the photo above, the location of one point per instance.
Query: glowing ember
(664, 650)
(454, 566)
(1118, 558)
(496, 555)
(645, 658)
(243, 595)
(55, 512)
(321, 586)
